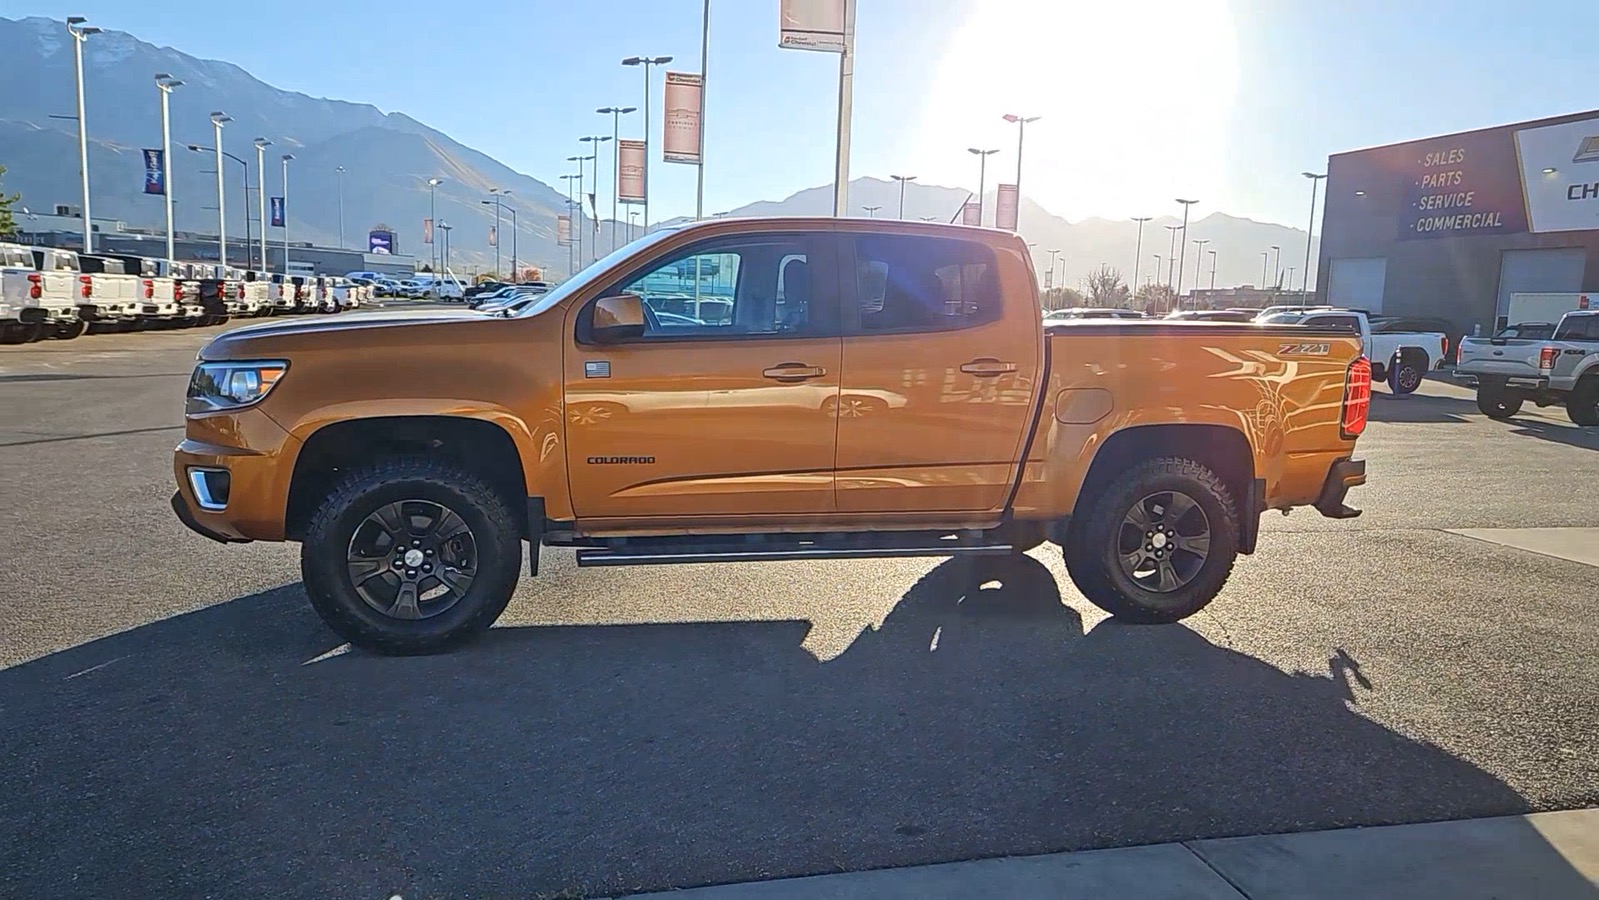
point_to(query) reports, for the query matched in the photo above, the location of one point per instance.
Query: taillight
(149, 289)
(35, 286)
(1357, 399)
(1460, 351)
(238, 292)
(1546, 357)
(177, 290)
(85, 286)
(1446, 348)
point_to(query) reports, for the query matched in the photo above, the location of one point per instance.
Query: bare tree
(1104, 287)
(1154, 298)
(1061, 298)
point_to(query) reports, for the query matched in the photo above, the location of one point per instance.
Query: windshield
(593, 272)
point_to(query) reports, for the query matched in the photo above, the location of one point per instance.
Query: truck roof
(825, 223)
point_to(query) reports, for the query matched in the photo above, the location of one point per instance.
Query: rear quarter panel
(1285, 398)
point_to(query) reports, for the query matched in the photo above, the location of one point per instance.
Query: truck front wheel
(411, 556)
(1157, 544)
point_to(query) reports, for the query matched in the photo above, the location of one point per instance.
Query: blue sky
(1142, 100)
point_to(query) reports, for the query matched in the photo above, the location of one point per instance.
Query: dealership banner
(630, 158)
(1560, 175)
(811, 25)
(427, 230)
(155, 178)
(494, 236)
(972, 213)
(277, 212)
(594, 212)
(563, 230)
(1005, 205)
(685, 98)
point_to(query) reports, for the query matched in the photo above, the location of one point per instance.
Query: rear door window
(910, 283)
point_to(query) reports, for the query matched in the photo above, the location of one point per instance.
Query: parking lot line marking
(1578, 545)
(336, 651)
(93, 668)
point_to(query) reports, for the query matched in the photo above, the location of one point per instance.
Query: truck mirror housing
(618, 318)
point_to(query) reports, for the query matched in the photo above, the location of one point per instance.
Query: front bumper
(258, 456)
(1344, 474)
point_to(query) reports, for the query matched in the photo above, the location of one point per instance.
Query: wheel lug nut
(416, 543)
(410, 573)
(430, 553)
(428, 567)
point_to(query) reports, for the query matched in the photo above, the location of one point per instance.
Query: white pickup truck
(153, 293)
(36, 304)
(1560, 371)
(1400, 358)
(114, 301)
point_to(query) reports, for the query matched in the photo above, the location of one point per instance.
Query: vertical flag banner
(563, 231)
(277, 212)
(1005, 206)
(594, 213)
(811, 25)
(494, 236)
(155, 177)
(972, 213)
(630, 171)
(683, 139)
(427, 231)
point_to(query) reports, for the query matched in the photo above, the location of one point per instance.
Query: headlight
(232, 385)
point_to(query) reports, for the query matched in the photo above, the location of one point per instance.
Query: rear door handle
(793, 372)
(987, 367)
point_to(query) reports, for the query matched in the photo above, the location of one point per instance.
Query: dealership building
(1452, 226)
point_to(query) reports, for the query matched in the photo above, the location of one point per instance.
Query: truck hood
(227, 344)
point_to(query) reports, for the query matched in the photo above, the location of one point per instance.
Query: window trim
(849, 288)
(821, 261)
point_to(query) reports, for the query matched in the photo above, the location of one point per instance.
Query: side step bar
(642, 556)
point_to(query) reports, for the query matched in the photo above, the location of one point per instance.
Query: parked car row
(504, 297)
(47, 292)
(423, 286)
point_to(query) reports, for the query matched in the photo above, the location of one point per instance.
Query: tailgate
(1515, 358)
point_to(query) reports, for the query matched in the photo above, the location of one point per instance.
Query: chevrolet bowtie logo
(1588, 150)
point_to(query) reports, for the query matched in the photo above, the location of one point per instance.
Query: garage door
(1357, 283)
(1534, 271)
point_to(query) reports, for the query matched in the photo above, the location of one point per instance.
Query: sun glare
(1135, 98)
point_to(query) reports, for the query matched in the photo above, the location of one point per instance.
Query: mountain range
(389, 157)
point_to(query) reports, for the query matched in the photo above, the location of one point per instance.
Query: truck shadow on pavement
(201, 755)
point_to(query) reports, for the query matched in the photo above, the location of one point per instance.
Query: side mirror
(618, 318)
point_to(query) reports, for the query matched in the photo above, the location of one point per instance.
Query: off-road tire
(1582, 404)
(67, 331)
(1091, 548)
(1497, 401)
(1408, 375)
(324, 567)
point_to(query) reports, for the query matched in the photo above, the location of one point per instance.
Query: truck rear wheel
(1497, 401)
(1408, 372)
(1582, 404)
(411, 555)
(1157, 544)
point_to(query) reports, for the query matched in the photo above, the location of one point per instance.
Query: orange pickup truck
(765, 389)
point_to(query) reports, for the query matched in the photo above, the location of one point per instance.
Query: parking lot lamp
(902, 179)
(1182, 260)
(80, 33)
(645, 62)
(1021, 131)
(1315, 182)
(218, 119)
(616, 113)
(1138, 248)
(261, 144)
(339, 173)
(165, 83)
(982, 176)
(286, 158)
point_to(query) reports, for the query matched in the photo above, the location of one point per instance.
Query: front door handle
(988, 367)
(793, 373)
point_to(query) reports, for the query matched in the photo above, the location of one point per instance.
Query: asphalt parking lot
(178, 723)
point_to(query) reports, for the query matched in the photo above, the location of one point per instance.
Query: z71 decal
(1304, 349)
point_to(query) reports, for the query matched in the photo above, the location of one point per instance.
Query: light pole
(1171, 254)
(433, 250)
(1315, 182)
(80, 33)
(1138, 251)
(261, 144)
(631, 215)
(244, 171)
(1264, 255)
(580, 160)
(444, 228)
(1052, 254)
(1021, 131)
(339, 173)
(512, 210)
(616, 113)
(982, 176)
(699, 168)
(165, 83)
(571, 264)
(902, 179)
(218, 119)
(1277, 267)
(871, 211)
(1182, 261)
(646, 62)
(1212, 269)
(1291, 278)
(596, 141)
(286, 158)
(1158, 258)
(498, 205)
(1199, 259)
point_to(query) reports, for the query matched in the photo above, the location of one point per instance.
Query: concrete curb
(1552, 856)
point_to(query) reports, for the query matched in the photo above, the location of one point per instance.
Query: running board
(641, 556)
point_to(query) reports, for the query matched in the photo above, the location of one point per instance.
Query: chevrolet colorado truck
(1562, 370)
(875, 389)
